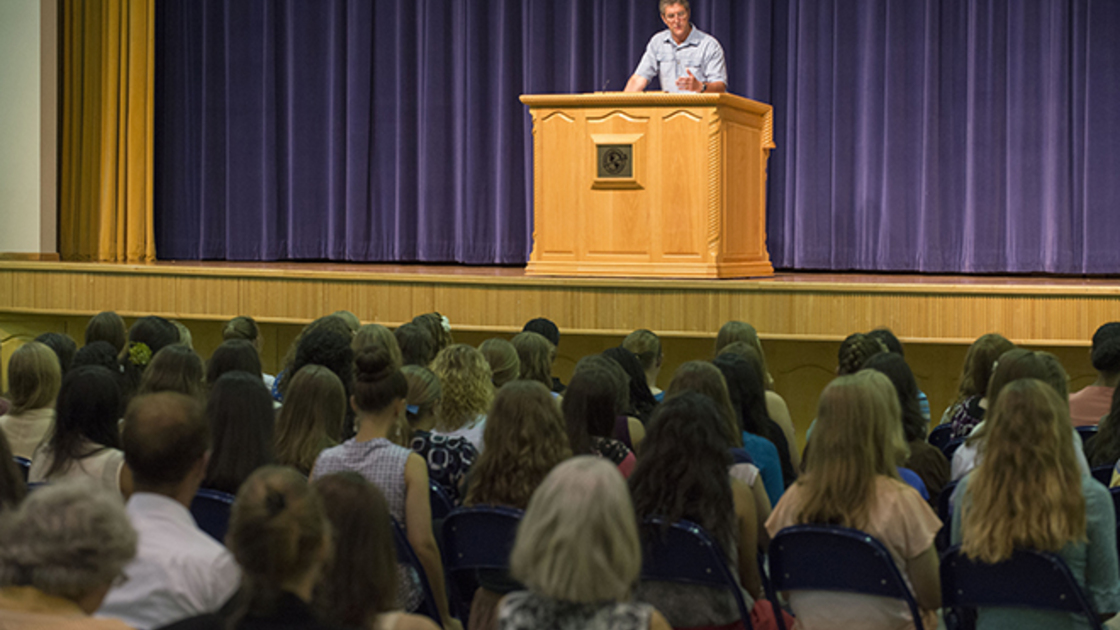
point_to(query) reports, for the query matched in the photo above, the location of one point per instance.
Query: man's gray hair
(66, 540)
(665, 4)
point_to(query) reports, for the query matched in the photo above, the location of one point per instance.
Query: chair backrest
(440, 502)
(406, 556)
(833, 558)
(1087, 434)
(951, 447)
(684, 553)
(941, 435)
(24, 466)
(1030, 579)
(1115, 492)
(1103, 474)
(210, 509)
(945, 513)
(476, 538)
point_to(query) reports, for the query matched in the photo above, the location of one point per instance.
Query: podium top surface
(645, 99)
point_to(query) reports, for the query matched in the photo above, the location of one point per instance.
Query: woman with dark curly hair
(682, 474)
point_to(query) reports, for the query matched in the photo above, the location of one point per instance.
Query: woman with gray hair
(64, 547)
(578, 553)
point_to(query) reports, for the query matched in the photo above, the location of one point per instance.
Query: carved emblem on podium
(616, 160)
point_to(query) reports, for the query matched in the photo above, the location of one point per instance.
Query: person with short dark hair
(179, 571)
(1088, 406)
(233, 355)
(107, 326)
(64, 348)
(416, 344)
(547, 329)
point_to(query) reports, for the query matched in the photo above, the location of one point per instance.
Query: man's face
(676, 18)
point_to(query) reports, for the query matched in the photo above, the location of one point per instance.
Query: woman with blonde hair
(34, 378)
(505, 365)
(376, 335)
(464, 377)
(449, 458)
(852, 480)
(1029, 492)
(577, 552)
(534, 352)
(646, 345)
(311, 419)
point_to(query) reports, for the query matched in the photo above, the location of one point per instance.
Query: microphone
(605, 84)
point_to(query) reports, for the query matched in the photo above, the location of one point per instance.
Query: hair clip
(445, 323)
(413, 409)
(139, 353)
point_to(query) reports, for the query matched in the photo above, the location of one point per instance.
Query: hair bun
(373, 364)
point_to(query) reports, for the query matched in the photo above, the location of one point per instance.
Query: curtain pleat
(108, 115)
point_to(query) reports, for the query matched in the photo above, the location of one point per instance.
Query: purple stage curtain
(931, 135)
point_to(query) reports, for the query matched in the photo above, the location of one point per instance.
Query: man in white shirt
(683, 57)
(179, 571)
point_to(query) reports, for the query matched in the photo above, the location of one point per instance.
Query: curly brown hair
(525, 438)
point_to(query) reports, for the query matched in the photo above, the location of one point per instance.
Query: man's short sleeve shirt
(666, 59)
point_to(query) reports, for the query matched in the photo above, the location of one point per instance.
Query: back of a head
(185, 337)
(706, 379)
(424, 391)
(645, 345)
(242, 425)
(978, 362)
(351, 320)
(109, 327)
(1022, 363)
(733, 332)
(241, 327)
(68, 540)
(525, 438)
(34, 377)
(1106, 349)
(438, 327)
(578, 541)
(63, 346)
(682, 473)
(886, 337)
(1025, 478)
(277, 530)
(590, 405)
(329, 348)
(640, 400)
(99, 353)
(854, 351)
(88, 411)
(746, 391)
(154, 332)
(312, 417)
(378, 383)
(894, 367)
(378, 336)
(233, 355)
(164, 437)
(175, 368)
(545, 328)
(361, 583)
(465, 377)
(505, 365)
(857, 438)
(534, 353)
(416, 344)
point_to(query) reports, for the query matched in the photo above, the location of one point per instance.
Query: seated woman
(748, 396)
(280, 537)
(378, 336)
(358, 588)
(464, 377)
(86, 440)
(534, 355)
(501, 356)
(245, 328)
(682, 474)
(646, 345)
(63, 549)
(639, 399)
(242, 424)
(628, 429)
(968, 410)
(591, 409)
(232, 356)
(449, 458)
(852, 480)
(1028, 492)
(34, 378)
(146, 338)
(1088, 405)
(311, 419)
(401, 475)
(12, 486)
(577, 552)
(1104, 448)
(175, 368)
(525, 440)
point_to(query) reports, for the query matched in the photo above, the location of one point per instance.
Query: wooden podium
(649, 184)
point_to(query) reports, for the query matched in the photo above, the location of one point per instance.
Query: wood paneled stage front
(800, 316)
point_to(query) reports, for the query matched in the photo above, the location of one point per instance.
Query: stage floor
(792, 306)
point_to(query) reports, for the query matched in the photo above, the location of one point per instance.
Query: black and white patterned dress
(525, 610)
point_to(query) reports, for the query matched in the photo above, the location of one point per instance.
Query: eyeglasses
(676, 16)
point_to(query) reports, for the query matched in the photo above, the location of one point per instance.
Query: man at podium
(685, 58)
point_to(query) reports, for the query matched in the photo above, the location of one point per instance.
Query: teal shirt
(765, 456)
(1093, 564)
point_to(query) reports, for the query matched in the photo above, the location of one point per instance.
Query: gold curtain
(108, 98)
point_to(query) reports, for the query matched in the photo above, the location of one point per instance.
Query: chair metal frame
(476, 538)
(941, 435)
(406, 555)
(206, 499)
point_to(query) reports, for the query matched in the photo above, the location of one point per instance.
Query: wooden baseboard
(32, 256)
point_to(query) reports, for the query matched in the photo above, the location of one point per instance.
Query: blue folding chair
(941, 435)
(945, 513)
(406, 556)
(1103, 474)
(833, 558)
(684, 553)
(24, 466)
(1087, 434)
(1030, 579)
(210, 509)
(440, 502)
(476, 539)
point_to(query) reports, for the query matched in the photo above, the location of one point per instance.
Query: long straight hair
(87, 414)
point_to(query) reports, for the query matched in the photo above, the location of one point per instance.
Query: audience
(417, 345)
(501, 356)
(12, 486)
(534, 354)
(107, 326)
(591, 408)
(378, 336)
(968, 410)
(179, 571)
(99, 353)
(748, 398)
(639, 399)
(438, 327)
(647, 347)
(63, 549)
(63, 346)
(1104, 448)
(449, 458)
(1049, 505)
(401, 475)
(547, 329)
(628, 429)
(852, 480)
(1088, 406)
(578, 554)
(319, 342)
(233, 355)
(175, 368)
(311, 421)
(242, 425)
(34, 378)
(358, 587)
(185, 337)
(147, 337)
(85, 442)
(682, 474)
(246, 329)
(776, 408)
(464, 377)
(894, 346)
